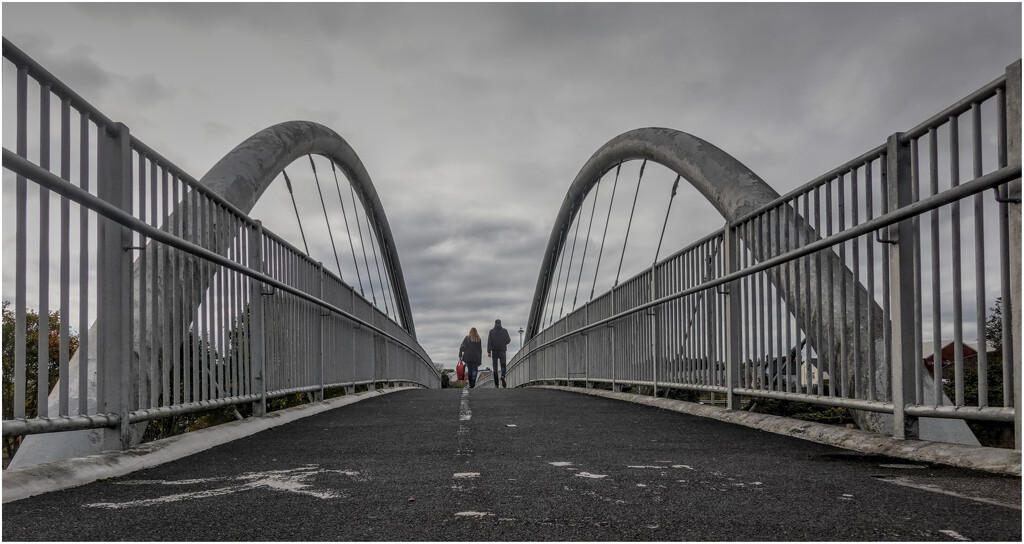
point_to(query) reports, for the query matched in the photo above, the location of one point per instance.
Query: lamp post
(520, 339)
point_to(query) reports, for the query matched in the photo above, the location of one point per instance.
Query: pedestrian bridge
(841, 293)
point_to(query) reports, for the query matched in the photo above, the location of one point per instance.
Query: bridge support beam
(736, 192)
(240, 178)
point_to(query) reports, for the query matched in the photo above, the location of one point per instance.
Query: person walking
(469, 353)
(497, 342)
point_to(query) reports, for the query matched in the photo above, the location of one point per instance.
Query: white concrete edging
(997, 460)
(25, 482)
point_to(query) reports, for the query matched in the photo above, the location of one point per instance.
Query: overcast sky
(472, 119)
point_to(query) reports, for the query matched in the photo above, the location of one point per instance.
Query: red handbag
(460, 371)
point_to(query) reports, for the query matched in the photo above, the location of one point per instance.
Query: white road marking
(472, 514)
(560, 463)
(906, 482)
(465, 414)
(954, 535)
(900, 465)
(589, 475)
(688, 467)
(466, 475)
(644, 466)
(290, 480)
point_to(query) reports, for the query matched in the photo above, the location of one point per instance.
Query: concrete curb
(25, 482)
(997, 460)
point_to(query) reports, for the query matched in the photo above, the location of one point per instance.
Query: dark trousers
(496, 357)
(471, 372)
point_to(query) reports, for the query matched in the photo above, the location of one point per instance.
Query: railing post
(653, 312)
(1013, 135)
(323, 325)
(586, 344)
(114, 283)
(898, 183)
(567, 384)
(257, 324)
(615, 386)
(732, 320)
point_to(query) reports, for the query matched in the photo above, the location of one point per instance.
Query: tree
(994, 326)
(31, 340)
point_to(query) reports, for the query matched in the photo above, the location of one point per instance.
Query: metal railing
(815, 295)
(182, 302)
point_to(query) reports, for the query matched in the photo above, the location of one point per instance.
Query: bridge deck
(523, 464)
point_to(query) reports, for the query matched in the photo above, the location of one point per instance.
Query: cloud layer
(472, 119)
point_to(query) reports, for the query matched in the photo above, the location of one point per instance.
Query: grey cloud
(147, 91)
(473, 119)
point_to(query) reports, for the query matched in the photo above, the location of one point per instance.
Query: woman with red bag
(470, 352)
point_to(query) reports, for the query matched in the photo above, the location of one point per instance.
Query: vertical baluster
(887, 320)
(65, 262)
(859, 387)
(958, 316)
(1004, 261)
(176, 295)
(166, 294)
(83, 274)
(933, 175)
(979, 260)
(870, 255)
(43, 347)
(21, 251)
(156, 293)
(807, 305)
(849, 386)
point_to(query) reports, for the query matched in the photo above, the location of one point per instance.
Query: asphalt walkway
(524, 464)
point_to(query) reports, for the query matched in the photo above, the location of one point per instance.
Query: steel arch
(246, 171)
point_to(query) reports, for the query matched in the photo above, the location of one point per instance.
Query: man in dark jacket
(497, 342)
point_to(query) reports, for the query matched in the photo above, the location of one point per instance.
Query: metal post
(1013, 132)
(113, 275)
(732, 320)
(586, 345)
(323, 336)
(257, 323)
(567, 384)
(654, 331)
(902, 360)
(615, 386)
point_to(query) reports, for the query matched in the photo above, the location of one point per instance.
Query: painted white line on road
(560, 463)
(465, 414)
(466, 475)
(907, 482)
(644, 466)
(954, 535)
(472, 514)
(589, 475)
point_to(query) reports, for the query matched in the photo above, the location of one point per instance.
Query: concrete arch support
(241, 178)
(246, 171)
(735, 191)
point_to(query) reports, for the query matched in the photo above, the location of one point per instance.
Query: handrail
(66, 189)
(20, 59)
(62, 90)
(975, 186)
